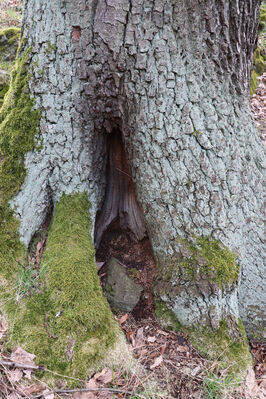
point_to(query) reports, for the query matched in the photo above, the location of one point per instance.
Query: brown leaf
(162, 332)
(13, 395)
(99, 265)
(39, 248)
(139, 334)
(105, 376)
(21, 356)
(122, 319)
(33, 388)
(48, 394)
(250, 384)
(158, 361)
(181, 348)
(91, 383)
(163, 348)
(3, 325)
(27, 374)
(84, 395)
(15, 375)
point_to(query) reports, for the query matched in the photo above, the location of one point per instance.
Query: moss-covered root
(19, 124)
(69, 326)
(231, 353)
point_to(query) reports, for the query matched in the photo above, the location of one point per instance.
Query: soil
(138, 259)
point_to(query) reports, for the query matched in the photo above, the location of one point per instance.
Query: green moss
(50, 48)
(259, 68)
(260, 53)
(209, 259)
(229, 352)
(19, 124)
(9, 39)
(262, 24)
(68, 325)
(166, 317)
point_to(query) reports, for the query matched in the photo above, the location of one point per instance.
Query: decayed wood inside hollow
(120, 201)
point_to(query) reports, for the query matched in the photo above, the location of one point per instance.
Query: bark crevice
(120, 203)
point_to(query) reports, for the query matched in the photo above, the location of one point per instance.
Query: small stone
(121, 291)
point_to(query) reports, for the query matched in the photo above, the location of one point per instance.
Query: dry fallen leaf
(13, 395)
(99, 265)
(33, 388)
(151, 339)
(251, 386)
(15, 375)
(158, 361)
(105, 376)
(27, 374)
(122, 319)
(3, 327)
(48, 395)
(162, 332)
(139, 334)
(163, 348)
(19, 355)
(195, 371)
(181, 348)
(84, 395)
(91, 383)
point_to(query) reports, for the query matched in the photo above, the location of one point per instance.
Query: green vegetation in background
(9, 40)
(260, 53)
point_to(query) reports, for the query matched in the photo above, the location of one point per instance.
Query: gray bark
(173, 77)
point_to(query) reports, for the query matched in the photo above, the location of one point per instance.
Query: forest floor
(170, 367)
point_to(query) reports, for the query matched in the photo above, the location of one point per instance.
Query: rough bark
(173, 76)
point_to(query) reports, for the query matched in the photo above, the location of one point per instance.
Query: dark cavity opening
(120, 230)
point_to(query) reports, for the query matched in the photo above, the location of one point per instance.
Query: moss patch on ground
(166, 317)
(67, 322)
(227, 346)
(229, 352)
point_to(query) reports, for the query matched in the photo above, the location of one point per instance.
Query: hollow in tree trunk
(173, 78)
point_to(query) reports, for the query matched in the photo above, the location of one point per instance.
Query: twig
(20, 366)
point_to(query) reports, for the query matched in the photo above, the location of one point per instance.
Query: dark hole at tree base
(137, 257)
(120, 230)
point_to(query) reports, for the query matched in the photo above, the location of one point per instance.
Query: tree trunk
(173, 78)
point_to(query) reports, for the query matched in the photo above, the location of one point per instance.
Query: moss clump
(259, 68)
(9, 41)
(69, 324)
(166, 317)
(231, 353)
(209, 259)
(19, 123)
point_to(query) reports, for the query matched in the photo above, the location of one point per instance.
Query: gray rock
(121, 291)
